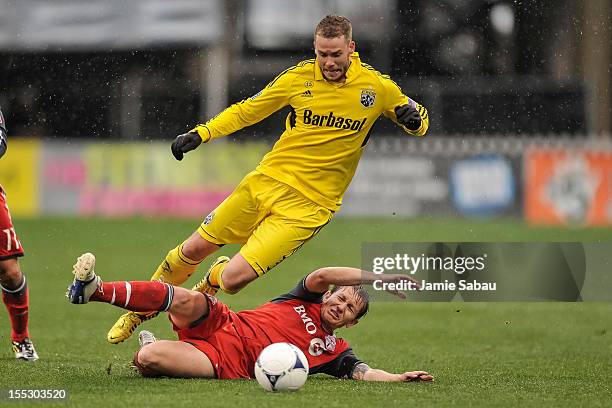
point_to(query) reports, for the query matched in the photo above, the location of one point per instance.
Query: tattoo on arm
(360, 370)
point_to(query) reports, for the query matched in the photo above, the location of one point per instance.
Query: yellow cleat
(126, 325)
(204, 285)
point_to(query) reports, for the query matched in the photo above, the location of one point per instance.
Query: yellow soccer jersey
(326, 130)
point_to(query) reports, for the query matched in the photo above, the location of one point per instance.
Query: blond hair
(332, 26)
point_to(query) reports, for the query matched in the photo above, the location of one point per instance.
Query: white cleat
(86, 282)
(145, 338)
(24, 350)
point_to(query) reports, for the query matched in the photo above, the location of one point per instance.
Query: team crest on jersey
(368, 97)
(209, 218)
(330, 343)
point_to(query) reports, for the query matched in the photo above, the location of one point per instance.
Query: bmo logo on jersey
(317, 345)
(311, 328)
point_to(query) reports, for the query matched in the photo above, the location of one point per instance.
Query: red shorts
(232, 354)
(10, 247)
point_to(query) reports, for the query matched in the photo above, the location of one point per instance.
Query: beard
(336, 74)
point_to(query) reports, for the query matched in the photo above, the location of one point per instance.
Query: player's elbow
(321, 277)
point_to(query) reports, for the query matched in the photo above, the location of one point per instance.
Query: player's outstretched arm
(249, 111)
(364, 372)
(320, 280)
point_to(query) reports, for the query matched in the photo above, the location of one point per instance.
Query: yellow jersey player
(298, 186)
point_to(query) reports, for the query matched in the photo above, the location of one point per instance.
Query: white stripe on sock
(170, 296)
(113, 298)
(128, 289)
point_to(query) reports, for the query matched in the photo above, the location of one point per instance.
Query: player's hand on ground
(398, 278)
(416, 376)
(408, 116)
(185, 143)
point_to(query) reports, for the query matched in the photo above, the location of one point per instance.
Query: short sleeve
(300, 292)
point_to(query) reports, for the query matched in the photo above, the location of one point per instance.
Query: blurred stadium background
(518, 94)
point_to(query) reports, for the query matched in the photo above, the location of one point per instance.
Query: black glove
(185, 143)
(408, 116)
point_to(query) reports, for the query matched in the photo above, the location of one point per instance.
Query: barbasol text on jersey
(333, 121)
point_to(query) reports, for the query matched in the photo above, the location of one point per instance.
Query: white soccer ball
(281, 367)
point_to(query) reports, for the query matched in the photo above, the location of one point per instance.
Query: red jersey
(233, 341)
(10, 247)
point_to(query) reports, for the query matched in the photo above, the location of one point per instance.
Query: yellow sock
(176, 268)
(215, 277)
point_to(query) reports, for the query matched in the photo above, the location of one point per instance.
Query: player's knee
(187, 304)
(197, 248)
(148, 360)
(233, 283)
(10, 273)
(237, 274)
(184, 300)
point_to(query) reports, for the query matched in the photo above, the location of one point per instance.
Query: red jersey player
(12, 281)
(215, 342)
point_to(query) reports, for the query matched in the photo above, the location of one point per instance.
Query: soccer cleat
(24, 350)
(145, 338)
(125, 326)
(204, 285)
(86, 282)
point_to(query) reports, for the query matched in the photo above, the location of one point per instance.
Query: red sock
(137, 296)
(17, 303)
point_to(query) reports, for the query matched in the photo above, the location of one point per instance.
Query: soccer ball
(281, 367)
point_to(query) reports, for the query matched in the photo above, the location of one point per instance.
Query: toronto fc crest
(330, 343)
(368, 97)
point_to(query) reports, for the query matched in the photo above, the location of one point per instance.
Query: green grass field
(482, 354)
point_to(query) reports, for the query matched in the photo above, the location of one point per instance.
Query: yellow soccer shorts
(271, 219)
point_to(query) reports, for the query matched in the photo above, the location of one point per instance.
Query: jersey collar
(351, 74)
